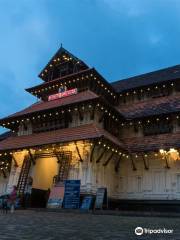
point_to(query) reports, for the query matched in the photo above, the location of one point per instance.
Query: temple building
(122, 135)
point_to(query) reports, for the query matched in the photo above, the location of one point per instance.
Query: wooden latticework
(24, 175)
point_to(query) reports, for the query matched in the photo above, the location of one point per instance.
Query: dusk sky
(120, 38)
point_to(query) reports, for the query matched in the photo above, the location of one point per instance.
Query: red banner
(63, 94)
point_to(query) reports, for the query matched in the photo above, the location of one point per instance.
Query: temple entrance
(49, 169)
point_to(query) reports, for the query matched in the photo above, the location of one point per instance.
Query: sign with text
(72, 194)
(87, 202)
(62, 94)
(101, 198)
(56, 197)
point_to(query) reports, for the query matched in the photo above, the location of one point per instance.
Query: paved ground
(33, 225)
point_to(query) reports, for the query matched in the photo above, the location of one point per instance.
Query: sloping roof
(59, 53)
(41, 106)
(153, 143)
(6, 135)
(163, 75)
(59, 80)
(83, 132)
(157, 106)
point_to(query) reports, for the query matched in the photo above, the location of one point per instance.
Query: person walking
(12, 199)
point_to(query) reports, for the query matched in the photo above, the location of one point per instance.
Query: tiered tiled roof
(157, 106)
(153, 143)
(83, 132)
(42, 106)
(160, 76)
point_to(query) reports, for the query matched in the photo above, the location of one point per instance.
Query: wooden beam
(92, 112)
(146, 165)
(81, 117)
(133, 163)
(108, 160)
(92, 152)
(100, 156)
(4, 174)
(15, 162)
(32, 157)
(118, 163)
(57, 156)
(167, 163)
(78, 152)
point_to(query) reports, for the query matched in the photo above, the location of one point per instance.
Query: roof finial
(61, 45)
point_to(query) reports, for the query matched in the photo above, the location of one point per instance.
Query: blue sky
(120, 38)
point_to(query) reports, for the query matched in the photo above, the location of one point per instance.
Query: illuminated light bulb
(156, 87)
(145, 155)
(172, 84)
(157, 119)
(99, 142)
(136, 156)
(177, 117)
(161, 151)
(164, 86)
(172, 150)
(139, 122)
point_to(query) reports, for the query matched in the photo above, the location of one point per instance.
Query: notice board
(87, 202)
(101, 198)
(72, 194)
(56, 196)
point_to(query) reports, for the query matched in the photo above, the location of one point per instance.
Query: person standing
(12, 199)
